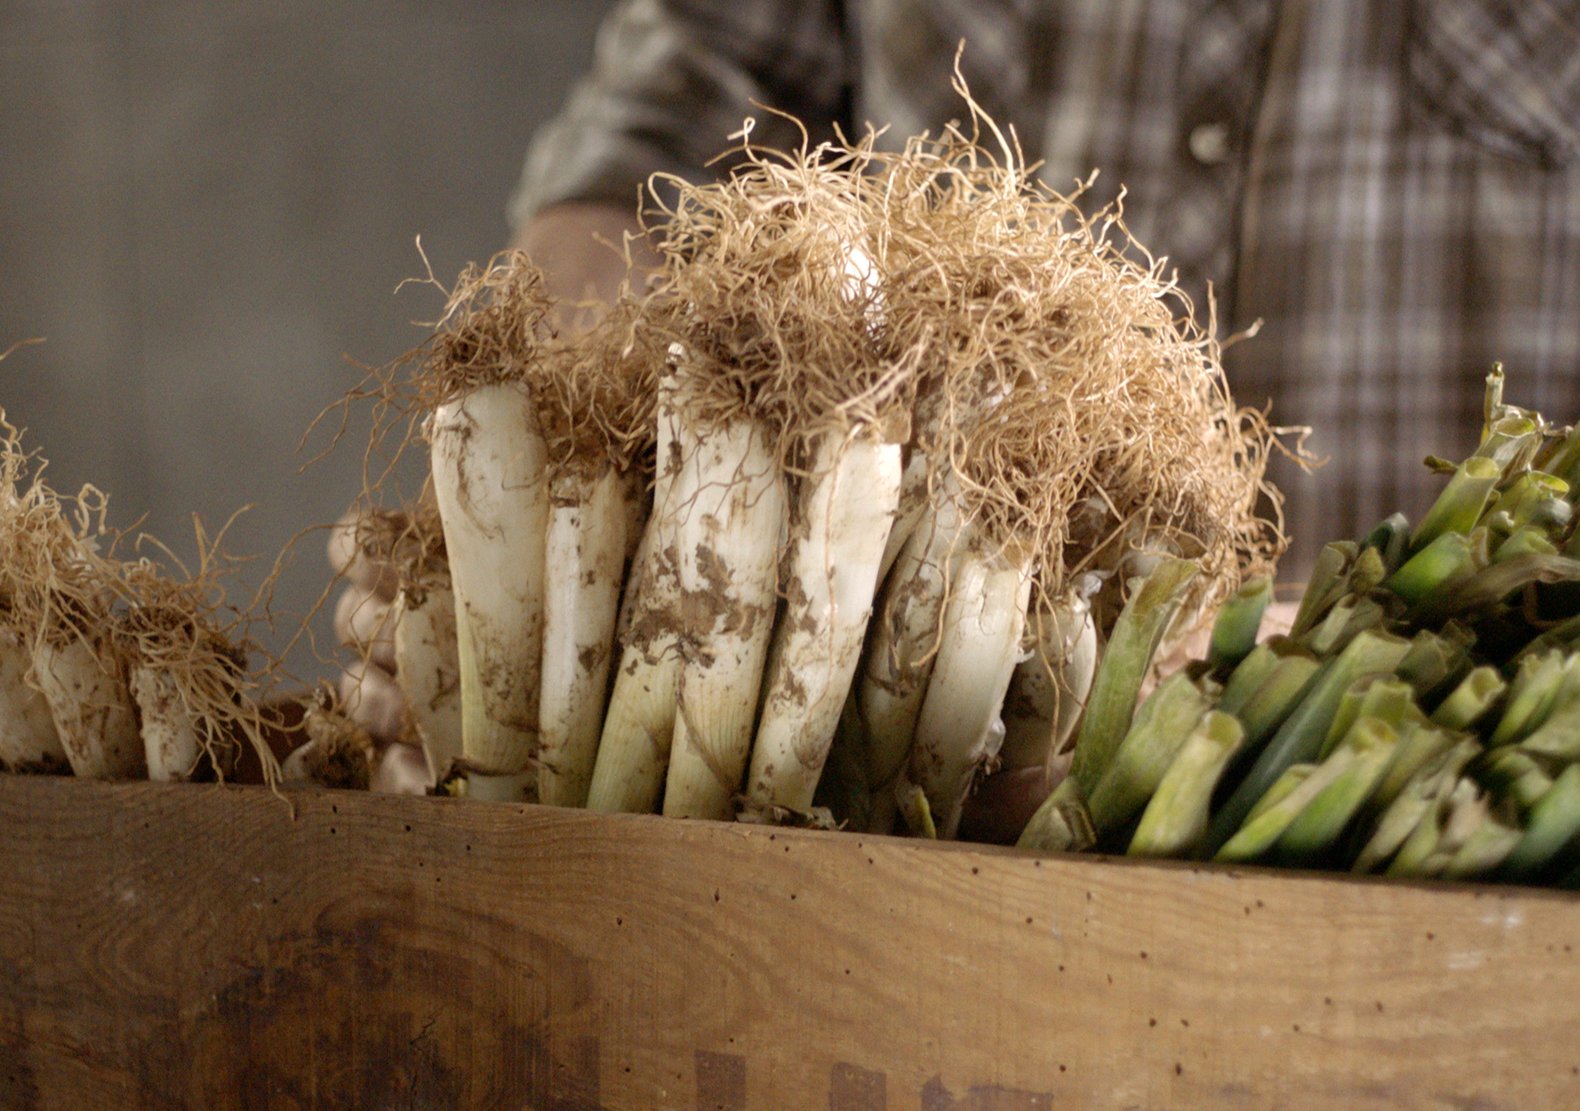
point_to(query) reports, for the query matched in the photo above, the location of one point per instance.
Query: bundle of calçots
(114, 668)
(1420, 718)
(852, 492)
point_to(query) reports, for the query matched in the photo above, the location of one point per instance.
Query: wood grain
(196, 946)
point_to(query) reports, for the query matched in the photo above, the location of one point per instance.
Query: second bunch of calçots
(1420, 718)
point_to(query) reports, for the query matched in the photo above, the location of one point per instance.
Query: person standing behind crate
(1392, 188)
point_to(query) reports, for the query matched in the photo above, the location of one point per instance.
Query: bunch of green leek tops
(1420, 718)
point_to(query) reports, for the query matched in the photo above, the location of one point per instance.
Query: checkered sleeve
(1507, 72)
(671, 80)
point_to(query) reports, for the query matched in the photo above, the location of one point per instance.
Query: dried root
(337, 753)
(1086, 413)
(144, 672)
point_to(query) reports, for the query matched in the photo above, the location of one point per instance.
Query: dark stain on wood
(721, 1081)
(18, 1087)
(361, 1015)
(567, 1082)
(851, 1088)
(988, 1097)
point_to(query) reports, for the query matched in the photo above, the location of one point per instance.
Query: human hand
(369, 694)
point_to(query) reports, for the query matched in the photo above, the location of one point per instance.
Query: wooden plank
(197, 947)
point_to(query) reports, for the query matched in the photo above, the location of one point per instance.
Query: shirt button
(1209, 143)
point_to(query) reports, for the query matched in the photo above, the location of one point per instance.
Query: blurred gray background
(205, 209)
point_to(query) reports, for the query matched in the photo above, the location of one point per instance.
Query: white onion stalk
(847, 502)
(487, 458)
(583, 568)
(930, 421)
(92, 708)
(959, 729)
(932, 418)
(427, 662)
(638, 727)
(729, 500)
(171, 745)
(639, 724)
(28, 738)
(187, 681)
(910, 509)
(1049, 688)
(904, 641)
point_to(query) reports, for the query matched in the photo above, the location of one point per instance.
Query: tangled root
(776, 275)
(184, 630)
(497, 318)
(1039, 354)
(61, 581)
(1085, 411)
(596, 395)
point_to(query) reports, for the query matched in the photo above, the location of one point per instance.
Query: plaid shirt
(1391, 186)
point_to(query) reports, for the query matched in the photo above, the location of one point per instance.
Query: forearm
(580, 248)
(671, 81)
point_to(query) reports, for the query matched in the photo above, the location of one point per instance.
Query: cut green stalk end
(1512, 774)
(1260, 834)
(1469, 702)
(1433, 658)
(1419, 745)
(1251, 673)
(1368, 573)
(1487, 586)
(1353, 614)
(1280, 790)
(1124, 665)
(1446, 560)
(1552, 824)
(1558, 737)
(1461, 503)
(1458, 809)
(1535, 499)
(1320, 825)
(1531, 697)
(1383, 697)
(1277, 697)
(1339, 626)
(1563, 459)
(1391, 540)
(1564, 636)
(1327, 585)
(1512, 440)
(1061, 823)
(1301, 736)
(1234, 632)
(1163, 724)
(1484, 848)
(1411, 806)
(1175, 821)
(1492, 399)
